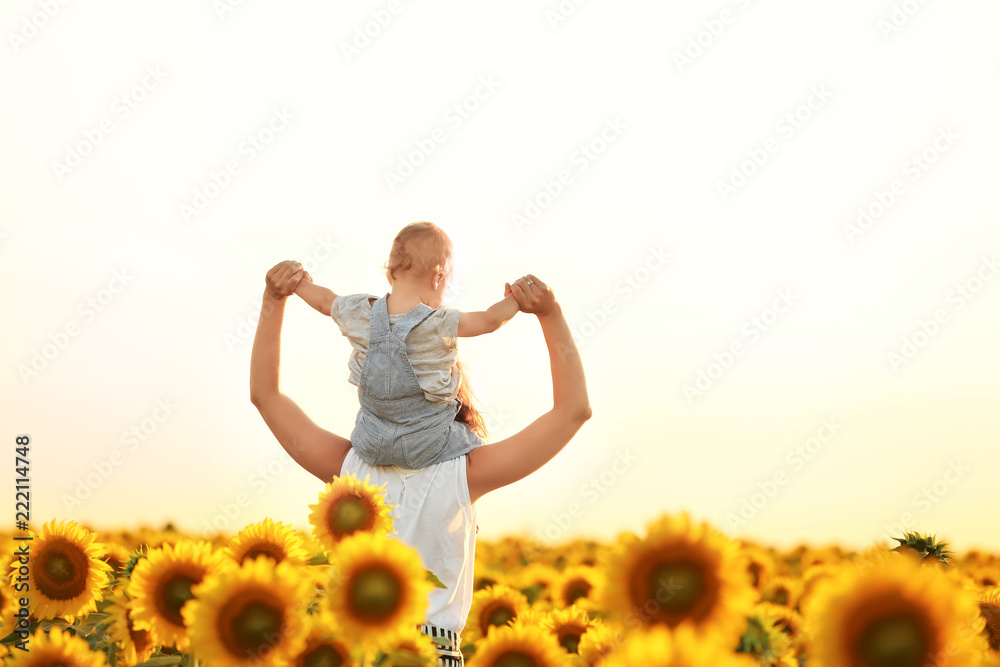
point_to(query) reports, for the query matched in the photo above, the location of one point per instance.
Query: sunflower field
(346, 593)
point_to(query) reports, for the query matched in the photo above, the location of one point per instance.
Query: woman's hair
(422, 247)
(468, 412)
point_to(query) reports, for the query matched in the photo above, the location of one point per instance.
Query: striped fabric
(449, 645)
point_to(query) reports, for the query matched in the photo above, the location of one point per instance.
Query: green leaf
(433, 578)
(318, 559)
(162, 661)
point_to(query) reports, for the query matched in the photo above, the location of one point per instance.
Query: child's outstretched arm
(489, 320)
(318, 297)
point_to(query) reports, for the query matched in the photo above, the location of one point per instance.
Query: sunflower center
(324, 655)
(893, 641)
(516, 659)
(250, 624)
(350, 514)
(991, 612)
(497, 614)
(375, 593)
(265, 549)
(679, 589)
(175, 592)
(781, 596)
(61, 570)
(569, 638)
(576, 589)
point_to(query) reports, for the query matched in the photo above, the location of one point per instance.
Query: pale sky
(772, 226)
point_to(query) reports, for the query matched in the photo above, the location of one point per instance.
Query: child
(404, 362)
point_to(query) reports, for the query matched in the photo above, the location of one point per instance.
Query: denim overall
(397, 425)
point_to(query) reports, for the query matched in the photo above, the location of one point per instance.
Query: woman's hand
(283, 278)
(533, 296)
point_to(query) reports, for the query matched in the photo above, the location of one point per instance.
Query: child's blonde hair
(425, 248)
(422, 247)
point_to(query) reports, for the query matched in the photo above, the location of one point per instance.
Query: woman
(436, 511)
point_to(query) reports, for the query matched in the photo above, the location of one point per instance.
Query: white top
(431, 346)
(436, 516)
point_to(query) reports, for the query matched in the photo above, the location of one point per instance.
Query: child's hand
(305, 276)
(507, 291)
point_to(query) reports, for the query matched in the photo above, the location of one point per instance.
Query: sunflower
(578, 584)
(326, 645)
(379, 586)
(759, 565)
(275, 540)
(896, 613)
(536, 581)
(764, 638)
(788, 621)
(660, 647)
(136, 644)
(496, 605)
(782, 590)
(347, 505)
(67, 573)
(679, 574)
(410, 648)
(598, 642)
(161, 584)
(989, 609)
(568, 626)
(57, 649)
(518, 645)
(249, 614)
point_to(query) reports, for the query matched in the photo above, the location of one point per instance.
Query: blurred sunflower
(379, 587)
(249, 614)
(161, 584)
(567, 626)
(519, 645)
(347, 505)
(660, 647)
(67, 573)
(135, 644)
(493, 606)
(536, 581)
(759, 565)
(486, 576)
(57, 649)
(410, 648)
(679, 574)
(598, 642)
(274, 540)
(895, 614)
(989, 609)
(811, 578)
(764, 639)
(787, 621)
(326, 645)
(578, 584)
(782, 590)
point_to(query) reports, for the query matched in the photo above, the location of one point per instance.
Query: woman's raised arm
(502, 463)
(315, 449)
